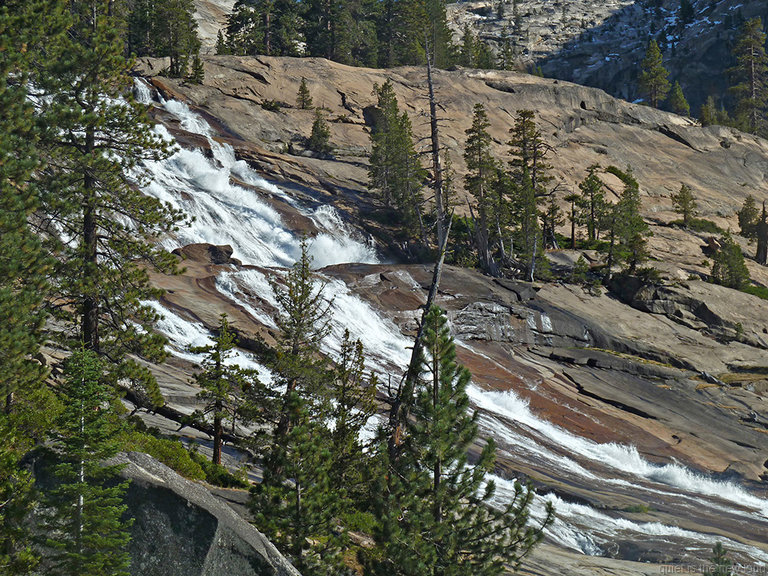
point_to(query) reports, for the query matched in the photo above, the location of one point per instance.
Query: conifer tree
(677, 102)
(352, 395)
(551, 218)
(761, 256)
(467, 48)
(433, 507)
(87, 535)
(175, 34)
(708, 112)
(93, 218)
(226, 387)
(654, 84)
(591, 203)
(748, 217)
(481, 168)
(751, 75)
(629, 230)
(197, 71)
(302, 323)
(529, 152)
(221, 44)
(684, 203)
(304, 98)
(395, 170)
(728, 267)
(573, 216)
(270, 27)
(320, 138)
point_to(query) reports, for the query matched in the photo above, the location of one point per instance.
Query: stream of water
(228, 213)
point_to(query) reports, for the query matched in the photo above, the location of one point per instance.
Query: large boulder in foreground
(181, 529)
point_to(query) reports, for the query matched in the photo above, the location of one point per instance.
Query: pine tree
(304, 98)
(224, 386)
(87, 535)
(320, 138)
(748, 217)
(653, 81)
(677, 102)
(95, 221)
(221, 45)
(270, 27)
(506, 59)
(761, 255)
(573, 216)
(175, 34)
(478, 182)
(751, 75)
(302, 324)
(720, 560)
(591, 203)
(529, 152)
(352, 395)
(729, 268)
(197, 72)
(684, 203)
(551, 218)
(433, 508)
(395, 170)
(628, 231)
(23, 265)
(708, 112)
(467, 48)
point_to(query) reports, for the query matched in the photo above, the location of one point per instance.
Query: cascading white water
(228, 213)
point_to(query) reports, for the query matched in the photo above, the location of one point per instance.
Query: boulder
(181, 529)
(207, 253)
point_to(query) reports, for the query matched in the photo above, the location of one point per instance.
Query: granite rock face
(181, 529)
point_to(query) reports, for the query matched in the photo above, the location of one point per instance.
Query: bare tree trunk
(436, 166)
(401, 405)
(90, 305)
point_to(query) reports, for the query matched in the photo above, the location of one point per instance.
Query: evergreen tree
(506, 59)
(271, 27)
(221, 45)
(748, 216)
(729, 268)
(720, 560)
(592, 204)
(467, 48)
(708, 112)
(761, 256)
(529, 236)
(320, 138)
(677, 102)
(686, 11)
(628, 229)
(304, 98)
(529, 151)
(352, 395)
(175, 34)
(197, 72)
(224, 387)
(654, 84)
(478, 182)
(573, 216)
(433, 508)
(87, 535)
(395, 170)
(751, 75)
(302, 324)
(296, 505)
(342, 30)
(551, 218)
(684, 203)
(23, 265)
(94, 219)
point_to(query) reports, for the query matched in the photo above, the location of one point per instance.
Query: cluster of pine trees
(748, 94)
(515, 211)
(325, 473)
(368, 33)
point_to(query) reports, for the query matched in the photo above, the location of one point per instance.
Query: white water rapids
(226, 212)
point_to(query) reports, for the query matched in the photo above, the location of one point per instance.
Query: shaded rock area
(181, 529)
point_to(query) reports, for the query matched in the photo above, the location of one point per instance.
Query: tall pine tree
(751, 75)
(84, 515)
(434, 510)
(654, 83)
(95, 220)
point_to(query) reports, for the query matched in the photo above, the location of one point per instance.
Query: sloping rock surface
(181, 529)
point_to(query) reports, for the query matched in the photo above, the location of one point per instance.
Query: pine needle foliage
(87, 535)
(435, 511)
(95, 221)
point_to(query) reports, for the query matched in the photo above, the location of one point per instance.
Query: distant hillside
(601, 43)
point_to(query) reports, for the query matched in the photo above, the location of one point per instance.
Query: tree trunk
(218, 433)
(90, 309)
(436, 167)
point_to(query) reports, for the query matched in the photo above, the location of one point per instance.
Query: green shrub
(218, 475)
(271, 105)
(170, 452)
(759, 291)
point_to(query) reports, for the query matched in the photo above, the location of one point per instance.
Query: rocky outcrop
(181, 529)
